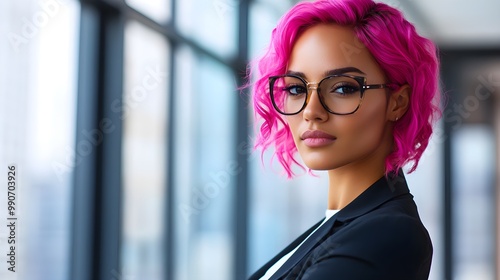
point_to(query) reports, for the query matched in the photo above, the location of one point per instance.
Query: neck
(349, 181)
(345, 186)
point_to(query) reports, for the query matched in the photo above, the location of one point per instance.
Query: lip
(317, 138)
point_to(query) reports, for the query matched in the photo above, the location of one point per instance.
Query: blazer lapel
(302, 251)
(259, 273)
(380, 192)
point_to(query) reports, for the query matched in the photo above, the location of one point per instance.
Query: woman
(352, 87)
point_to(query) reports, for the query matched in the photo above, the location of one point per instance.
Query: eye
(344, 88)
(295, 89)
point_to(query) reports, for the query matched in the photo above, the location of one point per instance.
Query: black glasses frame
(362, 87)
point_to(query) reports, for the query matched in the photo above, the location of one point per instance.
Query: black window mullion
(110, 192)
(447, 77)
(97, 188)
(241, 192)
(170, 221)
(82, 266)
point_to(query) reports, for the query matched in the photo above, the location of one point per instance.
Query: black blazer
(379, 235)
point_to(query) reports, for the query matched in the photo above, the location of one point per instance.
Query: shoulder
(393, 229)
(382, 243)
(391, 233)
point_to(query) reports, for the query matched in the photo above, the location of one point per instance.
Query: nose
(314, 110)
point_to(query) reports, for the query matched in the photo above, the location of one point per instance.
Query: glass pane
(264, 16)
(144, 152)
(210, 23)
(204, 168)
(37, 133)
(474, 202)
(159, 10)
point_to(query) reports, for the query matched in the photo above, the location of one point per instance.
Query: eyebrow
(330, 72)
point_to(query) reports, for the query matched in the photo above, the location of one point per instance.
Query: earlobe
(398, 103)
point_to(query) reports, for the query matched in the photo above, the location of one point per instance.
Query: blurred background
(134, 147)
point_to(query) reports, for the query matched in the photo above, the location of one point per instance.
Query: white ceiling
(455, 22)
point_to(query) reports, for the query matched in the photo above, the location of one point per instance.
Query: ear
(398, 103)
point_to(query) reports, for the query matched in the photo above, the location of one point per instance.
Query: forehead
(324, 47)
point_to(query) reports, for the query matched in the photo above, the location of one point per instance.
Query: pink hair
(404, 56)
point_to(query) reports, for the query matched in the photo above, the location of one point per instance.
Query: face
(326, 141)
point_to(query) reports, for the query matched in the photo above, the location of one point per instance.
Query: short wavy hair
(403, 55)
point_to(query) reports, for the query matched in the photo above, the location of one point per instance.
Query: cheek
(366, 125)
(294, 124)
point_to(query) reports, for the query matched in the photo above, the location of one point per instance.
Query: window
(205, 167)
(37, 133)
(212, 24)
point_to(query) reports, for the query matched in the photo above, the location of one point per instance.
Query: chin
(321, 163)
(321, 166)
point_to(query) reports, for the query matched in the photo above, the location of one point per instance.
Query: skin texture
(355, 160)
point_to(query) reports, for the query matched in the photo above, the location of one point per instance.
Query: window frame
(97, 195)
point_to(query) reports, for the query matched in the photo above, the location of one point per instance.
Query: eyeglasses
(339, 94)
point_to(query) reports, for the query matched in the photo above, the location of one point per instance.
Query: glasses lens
(342, 95)
(339, 94)
(289, 94)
